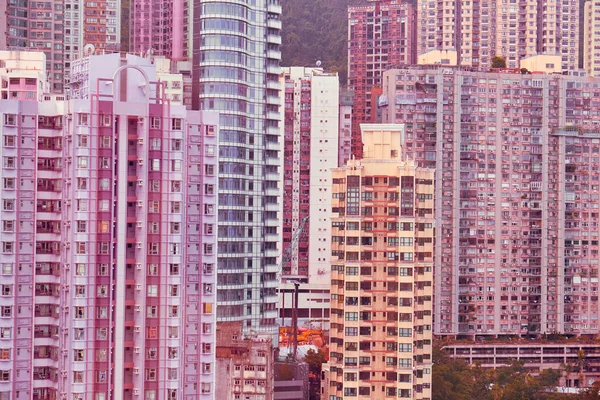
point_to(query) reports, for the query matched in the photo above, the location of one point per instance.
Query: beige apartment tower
(591, 38)
(381, 273)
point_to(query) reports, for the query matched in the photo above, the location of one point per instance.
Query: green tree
(498, 62)
(315, 361)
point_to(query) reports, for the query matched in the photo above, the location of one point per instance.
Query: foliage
(455, 379)
(315, 361)
(498, 62)
(316, 30)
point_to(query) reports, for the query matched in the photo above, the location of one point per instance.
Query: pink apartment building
(517, 195)
(107, 243)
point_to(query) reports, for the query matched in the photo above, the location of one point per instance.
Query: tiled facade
(240, 79)
(108, 241)
(60, 29)
(381, 273)
(591, 36)
(479, 30)
(245, 367)
(381, 35)
(162, 26)
(311, 129)
(517, 198)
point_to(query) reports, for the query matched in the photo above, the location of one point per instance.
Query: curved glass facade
(236, 72)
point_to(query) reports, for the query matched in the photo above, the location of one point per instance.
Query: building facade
(345, 136)
(245, 364)
(108, 241)
(381, 35)
(479, 30)
(381, 272)
(516, 195)
(61, 30)
(240, 79)
(591, 36)
(311, 129)
(162, 27)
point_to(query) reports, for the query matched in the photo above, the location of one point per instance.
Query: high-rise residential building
(380, 36)
(240, 79)
(591, 37)
(60, 29)
(108, 240)
(311, 129)
(517, 195)
(381, 272)
(479, 30)
(162, 27)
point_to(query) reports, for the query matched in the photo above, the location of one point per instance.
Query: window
(151, 353)
(77, 376)
(152, 269)
(152, 311)
(82, 183)
(210, 150)
(173, 332)
(102, 269)
(155, 144)
(102, 290)
(152, 332)
(152, 290)
(153, 249)
(9, 141)
(210, 130)
(10, 119)
(5, 311)
(101, 333)
(155, 123)
(79, 312)
(174, 290)
(82, 140)
(150, 374)
(81, 226)
(176, 124)
(176, 186)
(176, 144)
(206, 328)
(173, 311)
(173, 269)
(8, 225)
(154, 185)
(78, 355)
(9, 162)
(171, 373)
(82, 162)
(104, 184)
(155, 164)
(80, 248)
(82, 119)
(9, 183)
(7, 247)
(209, 169)
(176, 165)
(207, 308)
(102, 312)
(175, 207)
(209, 189)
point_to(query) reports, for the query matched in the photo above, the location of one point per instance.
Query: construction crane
(286, 256)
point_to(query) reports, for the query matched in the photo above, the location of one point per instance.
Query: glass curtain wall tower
(236, 72)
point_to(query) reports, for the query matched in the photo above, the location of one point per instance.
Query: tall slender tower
(236, 72)
(381, 272)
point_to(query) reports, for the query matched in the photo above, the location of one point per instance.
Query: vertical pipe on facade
(177, 49)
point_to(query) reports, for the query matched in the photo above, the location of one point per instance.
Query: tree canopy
(454, 379)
